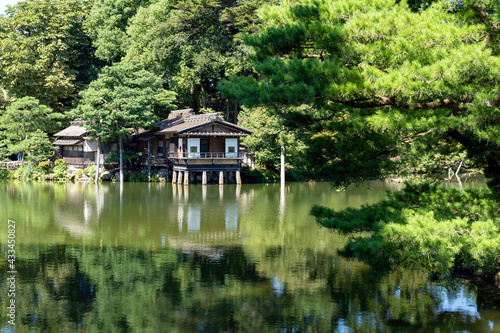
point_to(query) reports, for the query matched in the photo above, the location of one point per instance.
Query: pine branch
(381, 101)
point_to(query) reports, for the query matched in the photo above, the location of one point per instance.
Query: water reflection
(150, 257)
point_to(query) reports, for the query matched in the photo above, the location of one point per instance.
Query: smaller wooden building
(77, 149)
(195, 146)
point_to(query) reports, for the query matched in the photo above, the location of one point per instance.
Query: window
(231, 148)
(73, 148)
(204, 145)
(159, 149)
(193, 147)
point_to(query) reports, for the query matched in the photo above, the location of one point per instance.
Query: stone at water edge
(106, 175)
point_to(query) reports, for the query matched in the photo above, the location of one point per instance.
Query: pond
(140, 257)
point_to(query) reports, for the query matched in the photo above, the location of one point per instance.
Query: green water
(157, 258)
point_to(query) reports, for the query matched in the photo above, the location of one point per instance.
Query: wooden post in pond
(221, 178)
(186, 177)
(149, 160)
(238, 177)
(120, 144)
(282, 165)
(97, 161)
(179, 180)
(174, 177)
(204, 178)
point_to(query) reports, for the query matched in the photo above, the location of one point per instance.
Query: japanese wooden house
(195, 146)
(76, 148)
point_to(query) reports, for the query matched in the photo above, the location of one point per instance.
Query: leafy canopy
(44, 51)
(121, 98)
(24, 125)
(445, 231)
(380, 76)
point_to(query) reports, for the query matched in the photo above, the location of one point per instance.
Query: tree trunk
(203, 100)
(121, 158)
(195, 103)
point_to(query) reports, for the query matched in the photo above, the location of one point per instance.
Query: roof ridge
(201, 117)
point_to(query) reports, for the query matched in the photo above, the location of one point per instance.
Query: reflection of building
(76, 148)
(83, 205)
(194, 143)
(211, 220)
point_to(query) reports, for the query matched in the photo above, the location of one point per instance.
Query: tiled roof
(67, 141)
(185, 122)
(183, 126)
(215, 133)
(72, 131)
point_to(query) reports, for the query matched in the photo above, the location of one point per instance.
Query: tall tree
(122, 98)
(107, 24)
(193, 44)
(23, 128)
(270, 134)
(379, 74)
(44, 51)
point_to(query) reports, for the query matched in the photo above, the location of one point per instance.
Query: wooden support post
(174, 177)
(179, 180)
(204, 178)
(120, 143)
(238, 177)
(221, 178)
(98, 161)
(282, 171)
(186, 177)
(149, 160)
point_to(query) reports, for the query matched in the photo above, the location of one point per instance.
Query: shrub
(6, 174)
(43, 168)
(154, 177)
(79, 173)
(139, 178)
(25, 171)
(90, 170)
(60, 168)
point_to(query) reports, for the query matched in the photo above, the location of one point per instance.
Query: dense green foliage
(193, 44)
(444, 231)
(52, 50)
(353, 89)
(270, 133)
(122, 98)
(379, 77)
(24, 126)
(107, 23)
(44, 51)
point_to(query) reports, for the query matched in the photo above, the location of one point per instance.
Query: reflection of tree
(114, 289)
(52, 292)
(266, 276)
